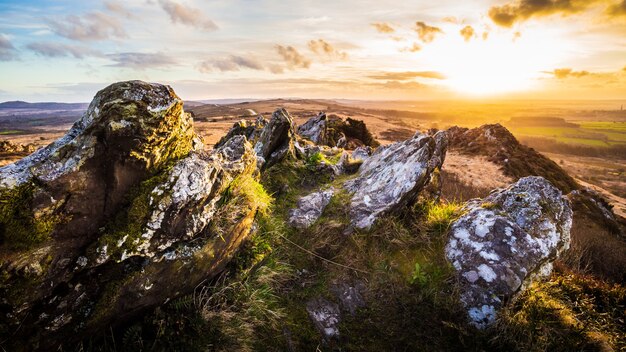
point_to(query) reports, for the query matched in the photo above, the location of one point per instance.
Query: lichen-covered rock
(314, 129)
(309, 208)
(326, 317)
(361, 153)
(394, 175)
(119, 215)
(251, 130)
(506, 241)
(277, 139)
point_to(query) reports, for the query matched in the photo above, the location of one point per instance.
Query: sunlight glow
(500, 64)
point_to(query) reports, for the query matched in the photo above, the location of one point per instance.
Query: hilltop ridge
(286, 236)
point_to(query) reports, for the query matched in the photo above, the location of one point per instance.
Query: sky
(65, 50)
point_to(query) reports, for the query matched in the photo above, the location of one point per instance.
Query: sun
(502, 63)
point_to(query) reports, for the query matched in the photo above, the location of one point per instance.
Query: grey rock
(361, 153)
(129, 198)
(393, 176)
(325, 315)
(505, 242)
(276, 140)
(314, 129)
(309, 208)
(349, 295)
(251, 130)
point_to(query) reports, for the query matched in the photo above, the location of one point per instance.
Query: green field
(8, 132)
(594, 134)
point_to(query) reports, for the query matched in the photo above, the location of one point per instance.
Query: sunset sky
(408, 50)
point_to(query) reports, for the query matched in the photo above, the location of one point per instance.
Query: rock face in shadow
(506, 241)
(393, 176)
(119, 215)
(276, 140)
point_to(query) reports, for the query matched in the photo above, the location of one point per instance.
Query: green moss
(20, 227)
(130, 221)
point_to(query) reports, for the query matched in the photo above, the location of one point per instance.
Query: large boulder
(393, 176)
(505, 241)
(276, 140)
(119, 215)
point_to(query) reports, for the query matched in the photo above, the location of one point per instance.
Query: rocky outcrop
(309, 208)
(251, 130)
(506, 241)
(500, 147)
(315, 129)
(119, 215)
(333, 131)
(393, 176)
(276, 140)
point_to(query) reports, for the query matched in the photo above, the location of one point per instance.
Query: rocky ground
(298, 234)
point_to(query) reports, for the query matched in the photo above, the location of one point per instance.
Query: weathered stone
(506, 241)
(349, 295)
(309, 208)
(361, 153)
(251, 130)
(277, 139)
(325, 315)
(127, 215)
(393, 176)
(314, 129)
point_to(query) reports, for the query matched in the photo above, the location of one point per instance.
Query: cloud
(382, 27)
(509, 14)
(427, 33)
(117, 7)
(89, 26)
(7, 50)
(50, 49)
(412, 49)
(618, 9)
(323, 48)
(141, 61)
(407, 75)
(468, 33)
(562, 73)
(231, 63)
(292, 57)
(187, 15)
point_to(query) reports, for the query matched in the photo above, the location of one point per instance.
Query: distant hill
(43, 106)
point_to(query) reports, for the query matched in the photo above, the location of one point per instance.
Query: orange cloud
(468, 33)
(562, 73)
(412, 49)
(322, 47)
(382, 27)
(292, 57)
(521, 10)
(403, 76)
(618, 9)
(427, 33)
